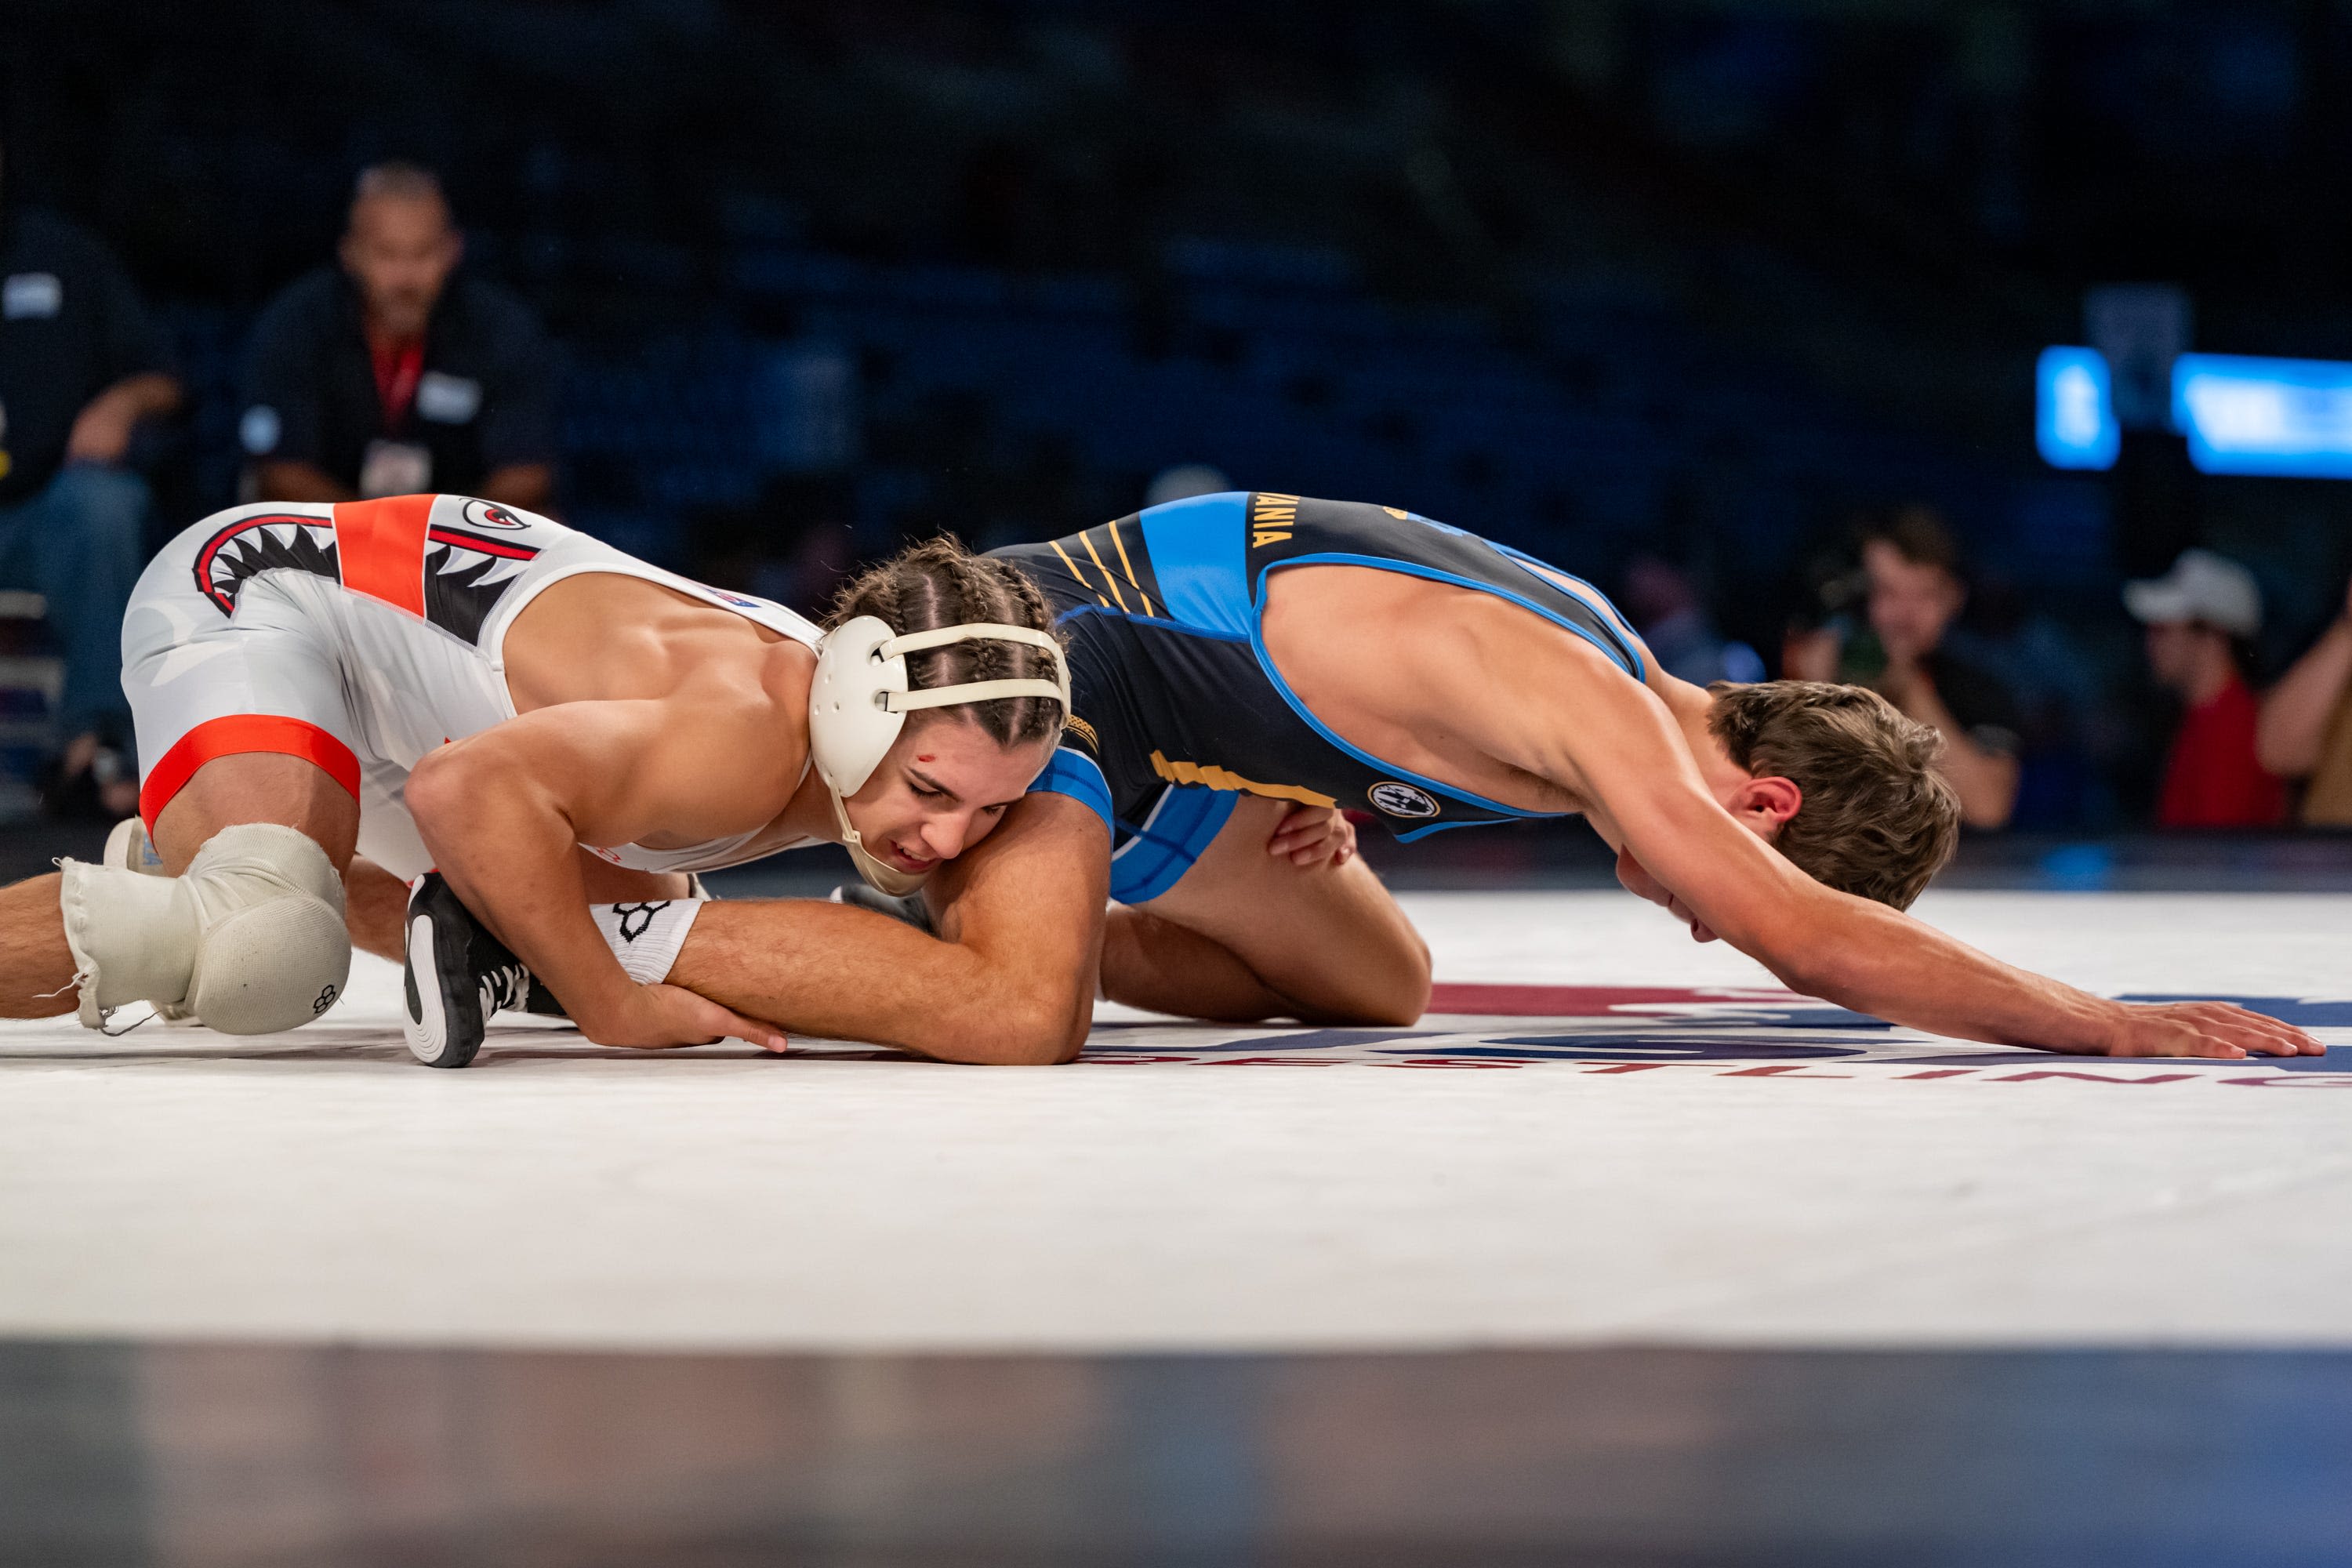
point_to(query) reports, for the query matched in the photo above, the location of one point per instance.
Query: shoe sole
(426, 1023)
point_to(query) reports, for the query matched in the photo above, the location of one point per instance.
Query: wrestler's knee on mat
(273, 951)
(250, 938)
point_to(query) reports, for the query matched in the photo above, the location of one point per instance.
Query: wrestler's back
(1333, 633)
(1193, 624)
(602, 636)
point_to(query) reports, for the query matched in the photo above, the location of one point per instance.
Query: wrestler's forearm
(1858, 953)
(841, 973)
(1010, 978)
(1876, 961)
(514, 862)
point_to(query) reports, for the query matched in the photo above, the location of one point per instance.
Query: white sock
(646, 937)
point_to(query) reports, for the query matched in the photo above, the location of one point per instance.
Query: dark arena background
(1996, 355)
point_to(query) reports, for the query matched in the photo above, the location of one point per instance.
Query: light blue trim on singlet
(1196, 548)
(1600, 606)
(1156, 855)
(1079, 776)
(1183, 822)
(1410, 569)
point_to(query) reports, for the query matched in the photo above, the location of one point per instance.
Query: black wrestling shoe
(540, 1002)
(910, 909)
(457, 976)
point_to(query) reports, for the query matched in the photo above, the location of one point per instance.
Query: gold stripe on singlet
(1212, 776)
(1087, 538)
(1128, 566)
(1079, 574)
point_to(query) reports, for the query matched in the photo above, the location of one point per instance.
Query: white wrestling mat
(1627, 1139)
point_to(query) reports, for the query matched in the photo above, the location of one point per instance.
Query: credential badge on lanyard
(447, 399)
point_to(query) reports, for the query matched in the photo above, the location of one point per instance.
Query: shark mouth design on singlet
(465, 573)
(252, 545)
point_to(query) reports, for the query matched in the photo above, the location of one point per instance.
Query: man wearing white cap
(2198, 617)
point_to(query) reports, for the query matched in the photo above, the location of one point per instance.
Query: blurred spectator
(1915, 591)
(388, 376)
(1184, 481)
(2200, 617)
(80, 365)
(2306, 729)
(1681, 634)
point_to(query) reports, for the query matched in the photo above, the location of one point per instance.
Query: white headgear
(859, 702)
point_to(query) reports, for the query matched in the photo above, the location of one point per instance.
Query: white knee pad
(251, 940)
(272, 951)
(129, 849)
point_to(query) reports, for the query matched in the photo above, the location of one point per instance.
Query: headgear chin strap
(859, 704)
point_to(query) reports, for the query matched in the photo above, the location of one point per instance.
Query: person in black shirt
(80, 365)
(1915, 593)
(389, 375)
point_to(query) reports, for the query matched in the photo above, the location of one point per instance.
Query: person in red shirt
(2197, 615)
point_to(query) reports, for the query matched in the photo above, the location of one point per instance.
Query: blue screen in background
(2075, 415)
(2285, 417)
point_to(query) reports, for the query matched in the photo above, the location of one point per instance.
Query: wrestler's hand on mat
(1310, 834)
(651, 1018)
(2204, 1030)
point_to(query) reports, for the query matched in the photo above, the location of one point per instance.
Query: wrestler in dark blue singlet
(1179, 710)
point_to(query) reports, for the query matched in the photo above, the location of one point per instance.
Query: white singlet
(359, 636)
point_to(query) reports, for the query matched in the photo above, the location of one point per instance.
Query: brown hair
(398, 180)
(1918, 536)
(1878, 819)
(938, 584)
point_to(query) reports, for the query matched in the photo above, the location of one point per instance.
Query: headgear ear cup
(858, 702)
(850, 729)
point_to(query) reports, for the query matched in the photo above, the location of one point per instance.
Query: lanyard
(398, 368)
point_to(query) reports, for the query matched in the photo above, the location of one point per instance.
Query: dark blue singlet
(1179, 710)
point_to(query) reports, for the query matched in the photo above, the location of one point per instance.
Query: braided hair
(938, 584)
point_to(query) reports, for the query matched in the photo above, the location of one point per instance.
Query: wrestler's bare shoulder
(606, 635)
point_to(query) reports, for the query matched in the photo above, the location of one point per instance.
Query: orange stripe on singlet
(380, 544)
(236, 735)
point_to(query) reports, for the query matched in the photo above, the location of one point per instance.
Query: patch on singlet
(461, 574)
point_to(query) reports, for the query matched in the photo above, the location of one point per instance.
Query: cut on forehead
(964, 758)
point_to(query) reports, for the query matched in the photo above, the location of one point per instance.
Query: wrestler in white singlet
(359, 636)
